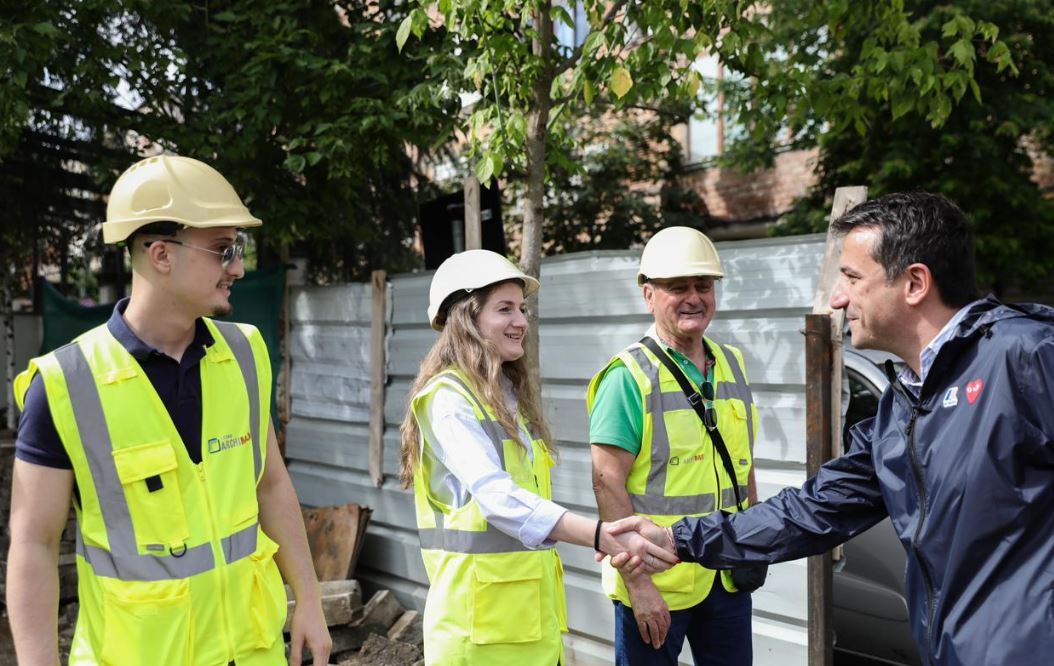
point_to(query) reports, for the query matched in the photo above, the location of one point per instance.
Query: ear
(649, 296)
(918, 284)
(159, 257)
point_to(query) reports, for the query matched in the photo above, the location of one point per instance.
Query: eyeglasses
(227, 255)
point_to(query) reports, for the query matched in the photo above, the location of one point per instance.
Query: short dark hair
(920, 228)
(163, 228)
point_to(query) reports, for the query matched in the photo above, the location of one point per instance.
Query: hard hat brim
(117, 231)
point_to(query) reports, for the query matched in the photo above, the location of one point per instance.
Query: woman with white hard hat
(477, 451)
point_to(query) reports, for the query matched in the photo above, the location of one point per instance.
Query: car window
(863, 399)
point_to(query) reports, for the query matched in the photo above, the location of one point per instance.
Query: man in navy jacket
(960, 455)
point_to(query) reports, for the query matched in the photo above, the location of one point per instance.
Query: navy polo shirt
(178, 384)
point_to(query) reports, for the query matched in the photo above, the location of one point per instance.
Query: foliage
(302, 104)
(625, 186)
(636, 54)
(982, 155)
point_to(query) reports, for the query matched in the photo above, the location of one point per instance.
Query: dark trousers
(717, 629)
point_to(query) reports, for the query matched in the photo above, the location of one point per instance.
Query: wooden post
(844, 199)
(473, 231)
(378, 325)
(818, 410)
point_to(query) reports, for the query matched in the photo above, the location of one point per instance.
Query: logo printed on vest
(687, 460)
(973, 390)
(221, 444)
(951, 397)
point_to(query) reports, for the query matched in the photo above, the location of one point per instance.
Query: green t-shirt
(618, 410)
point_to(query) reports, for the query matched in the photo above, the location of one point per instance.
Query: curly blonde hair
(461, 346)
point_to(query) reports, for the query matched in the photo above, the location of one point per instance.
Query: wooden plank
(818, 409)
(335, 535)
(377, 375)
(473, 232)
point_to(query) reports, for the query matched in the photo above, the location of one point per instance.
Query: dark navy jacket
(965, 473)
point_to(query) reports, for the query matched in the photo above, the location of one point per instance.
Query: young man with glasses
(156, 427)
(657, 455)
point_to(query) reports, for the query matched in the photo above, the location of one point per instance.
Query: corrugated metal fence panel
(590, 309)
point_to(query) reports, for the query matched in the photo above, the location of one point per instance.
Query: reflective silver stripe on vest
(741, 391)
(490, 540)
(465, 541)
(657, 404)
(243, 354)
(146, 567)
(240, 544)
(728, 497)
(685, 505)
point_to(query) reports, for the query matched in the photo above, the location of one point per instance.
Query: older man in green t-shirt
(656, 455)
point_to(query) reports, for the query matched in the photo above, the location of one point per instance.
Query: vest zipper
(221, 564)
(919, 482)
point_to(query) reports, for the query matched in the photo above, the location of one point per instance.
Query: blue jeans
(717, 629)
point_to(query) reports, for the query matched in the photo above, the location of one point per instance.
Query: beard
(222, 310)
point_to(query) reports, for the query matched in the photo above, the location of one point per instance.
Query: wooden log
(381, 611)
(408, 629)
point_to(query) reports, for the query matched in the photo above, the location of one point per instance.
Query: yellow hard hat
(679, 252)
(467, 271)
(169, 188)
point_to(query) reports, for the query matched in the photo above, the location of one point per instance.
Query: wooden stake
(473, 231)
(818, 411)
(378, 357)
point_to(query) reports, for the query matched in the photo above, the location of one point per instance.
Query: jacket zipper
(919, 482)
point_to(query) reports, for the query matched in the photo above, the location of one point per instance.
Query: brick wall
(733, 197)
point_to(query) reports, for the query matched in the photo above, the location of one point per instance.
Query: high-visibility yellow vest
(490, 600)
(678, 472)
(173, 566)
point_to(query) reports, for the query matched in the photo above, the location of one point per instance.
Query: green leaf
(313, 158)
(560, 14)
(403, 33)
(620, 82)
(950, 28)
(902, 106)
(588, 93)
(963, 52)
(46, 29)
(485, 168)
(226, 17)
(295, 163)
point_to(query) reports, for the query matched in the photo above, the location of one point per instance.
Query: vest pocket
(151, 486)
(153, 624)
(506, 598)
(264, 601)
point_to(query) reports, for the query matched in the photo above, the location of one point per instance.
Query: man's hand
(639, 537)
(649, 610)
(309, 628)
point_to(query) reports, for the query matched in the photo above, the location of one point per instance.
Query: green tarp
(256, 299)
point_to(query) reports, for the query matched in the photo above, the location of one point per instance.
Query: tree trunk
(537, 135)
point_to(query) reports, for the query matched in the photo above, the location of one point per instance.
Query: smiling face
(503, 320)
(683, 307)
(874, 307)
(199, 277)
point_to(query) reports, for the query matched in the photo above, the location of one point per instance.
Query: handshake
(636, 543)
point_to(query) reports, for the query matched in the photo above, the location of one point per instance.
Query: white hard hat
(169, 188)
(679, 252)
(467, 271)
